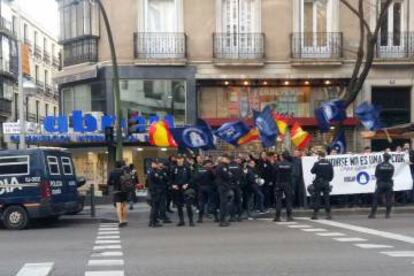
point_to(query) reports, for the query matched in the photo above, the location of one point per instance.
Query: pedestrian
(118, 179)
(384, 173)
(283, 186)
(235, 204)
(223, 179)
(183, 193)
(324, 174)
(204, 177)
(132, 196)
(156, 189)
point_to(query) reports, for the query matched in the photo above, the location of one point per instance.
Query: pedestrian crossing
(36, 269)
(107, 256)
(358, 242)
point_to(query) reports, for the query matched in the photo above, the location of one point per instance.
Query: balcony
(37, 52)
(317, 48)
(40, 86)
(49, 91)
(160, 46)
(56, 63)
(395, 47)
(6, 27)
(46, 57)
(80, 50)
(239, 47)
(5, 107)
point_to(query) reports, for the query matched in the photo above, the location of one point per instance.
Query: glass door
(392, 36)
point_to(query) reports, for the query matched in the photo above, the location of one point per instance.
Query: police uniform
(181, 175)
(164, 195)
(223, 179)
(253, 181)
(204, 179)
(235, 204)
(156, 189)
(324, 174)
(384, 173)
(283, 185)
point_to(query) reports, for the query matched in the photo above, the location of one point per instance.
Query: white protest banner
(355, 173)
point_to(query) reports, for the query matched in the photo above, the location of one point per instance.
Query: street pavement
(79, 245)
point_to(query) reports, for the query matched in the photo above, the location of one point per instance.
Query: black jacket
(223, 175)
(323, 170)
(237, 172)
(283, 172)
(384, 172)
(156, 181)
(114, 179)
(180, 175)
(202, 177)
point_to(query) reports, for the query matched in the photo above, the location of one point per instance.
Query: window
(67, 166)
(44, 44)
(14, 165)
(88, 98)
(46, 109)
(55, 111)
(25, 33)
(161, 16)
(35, 38)
(78, 19)
(53, 164)
(37, 111)
(46, 77)
(315, 22)
(37, 74)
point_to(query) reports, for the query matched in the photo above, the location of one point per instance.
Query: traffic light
(109, 134)
(136, 123)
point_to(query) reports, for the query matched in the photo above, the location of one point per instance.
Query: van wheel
(15, 218)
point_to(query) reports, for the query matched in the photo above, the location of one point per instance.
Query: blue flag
(369, 115)
(194, 137)
(232, 132)
(328, 112)
(339, 143)
(267, 127)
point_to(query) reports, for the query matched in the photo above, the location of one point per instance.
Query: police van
(36, 183)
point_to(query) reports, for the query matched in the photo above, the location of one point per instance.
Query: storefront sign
(355, 174)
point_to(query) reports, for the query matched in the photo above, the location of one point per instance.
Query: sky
(44, 12)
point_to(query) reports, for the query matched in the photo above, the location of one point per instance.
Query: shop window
(53, 164)
(14, 165)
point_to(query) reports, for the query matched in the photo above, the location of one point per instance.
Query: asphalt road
(349, 245)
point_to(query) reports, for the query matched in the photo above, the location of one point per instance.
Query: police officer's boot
(167, 220)
(328, 215)
(314, 215)
(373, 213)
(277, 219)
(200, 218)
(289, 217)
(388, 213)
(224, 224)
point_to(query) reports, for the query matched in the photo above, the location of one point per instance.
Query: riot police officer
(324, 173)
(156, 188)
(235, 204)
(283, 185)
(183, 193)
(165, 180)
(253, 182)
(204, 178)
(384, 173)
(223, 179)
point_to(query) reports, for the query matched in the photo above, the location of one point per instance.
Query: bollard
(92, 200)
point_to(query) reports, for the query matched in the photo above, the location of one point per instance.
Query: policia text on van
(36, 183)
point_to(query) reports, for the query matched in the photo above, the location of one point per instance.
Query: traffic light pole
(115, 85)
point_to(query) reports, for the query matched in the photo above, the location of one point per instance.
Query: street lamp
(116, 88)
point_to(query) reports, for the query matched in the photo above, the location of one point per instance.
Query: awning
(76, 73)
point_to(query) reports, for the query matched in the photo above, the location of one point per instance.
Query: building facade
(220, 59)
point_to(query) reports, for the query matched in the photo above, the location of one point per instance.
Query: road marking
(105, 262)
(372, 246)
(299, 226)
(106, 247)
(104, 273)
(350, 239)
(108, 237)
(109, 223)
(287, 223)
(399, 253)
(265, 219)
(108, 254)
(108, 233)
(36, 269)
(106, 241)
(331, 234)
(314, 230)
(365, 230)
(107, 229)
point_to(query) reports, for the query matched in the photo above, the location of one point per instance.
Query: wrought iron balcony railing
(238, 46)
(40, 85)
(395, 46)
(56, 62)
(5, 107)
(6, 27)
(160, 45)
(37, 51)
(46, 57)
(84, 49)
(316, 45)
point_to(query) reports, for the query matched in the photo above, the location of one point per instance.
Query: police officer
(182, 190)
(156, 189)
(164, 171)
(204, 177)
(235, 204)
(252, 186)
(283, 185)
(384, 173)
(324, 174)
(223, 179)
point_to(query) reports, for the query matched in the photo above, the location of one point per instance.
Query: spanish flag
(251, 136)
(300, 138)
(160, 135)
(282, 123)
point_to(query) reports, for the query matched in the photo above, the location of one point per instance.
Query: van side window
(14, 165)
(67, 166)
(53, 164)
